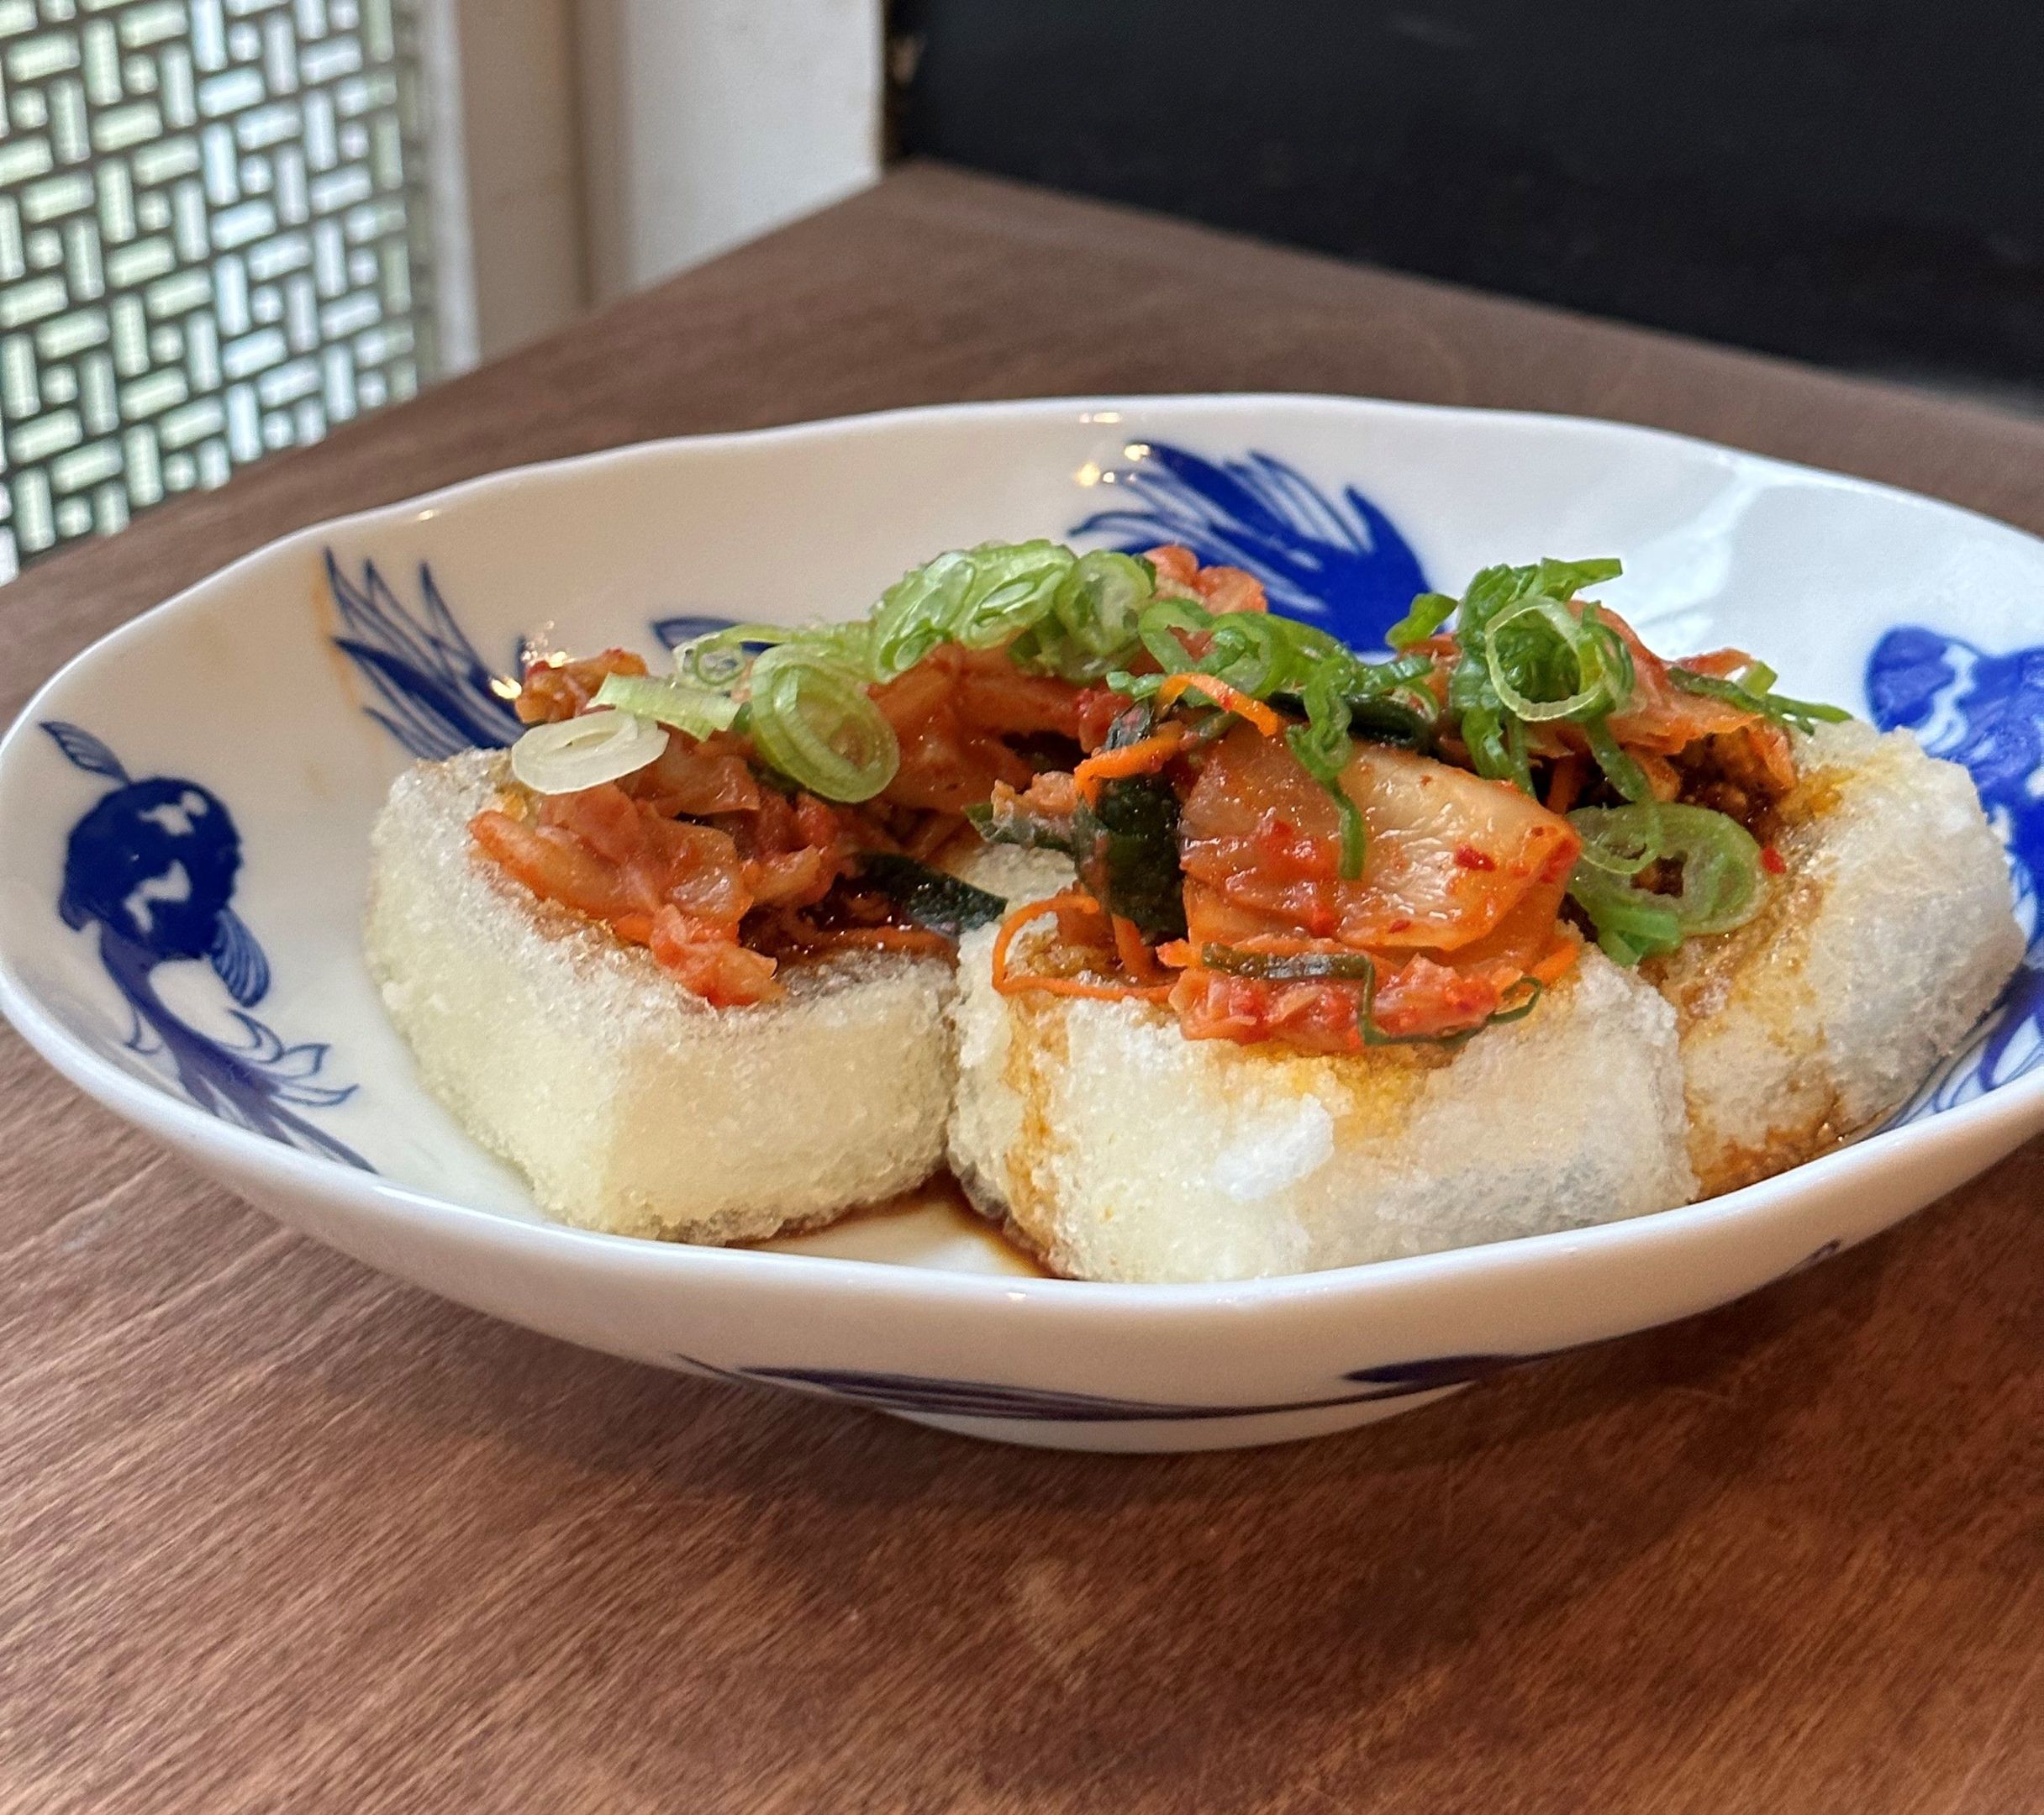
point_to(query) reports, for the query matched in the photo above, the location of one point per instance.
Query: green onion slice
(1250, 651)
(1015, 587)
(718, 658)
(1594, 690)
(1323, 749)
(917, 613)
(699, 711)
(814, 720)
(1753, 692)
(1090, 626)
(1621, 768)
(1623, 840)
(1425, 616)
(570, 755)
(1721, 879)
(1527, 658)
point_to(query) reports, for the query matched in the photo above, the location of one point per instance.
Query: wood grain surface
(278, 1535)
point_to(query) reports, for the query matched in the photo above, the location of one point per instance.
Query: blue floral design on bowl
(1337, 561)
(1985, 711)
(920, 1396)
(432, 689)
(928, 1396)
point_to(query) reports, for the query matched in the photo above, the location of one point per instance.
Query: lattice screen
(213, 243)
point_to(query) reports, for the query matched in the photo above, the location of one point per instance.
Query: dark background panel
(1856, 181)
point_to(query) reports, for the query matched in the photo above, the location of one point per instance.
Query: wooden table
(278, 1535)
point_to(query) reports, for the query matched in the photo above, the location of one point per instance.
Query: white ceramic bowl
(225, 1008)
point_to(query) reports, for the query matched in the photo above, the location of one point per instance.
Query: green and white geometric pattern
(213, 242)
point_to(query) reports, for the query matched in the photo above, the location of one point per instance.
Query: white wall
(585, 148)
(522, 127)
(707, 122)
(504, 133)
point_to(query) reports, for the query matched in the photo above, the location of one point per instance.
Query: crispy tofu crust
(1116, 1149)
(1887, 938)
(630, 1105)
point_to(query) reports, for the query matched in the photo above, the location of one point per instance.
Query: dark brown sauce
(933, 1225)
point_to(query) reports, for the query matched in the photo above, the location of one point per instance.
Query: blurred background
(228, 225)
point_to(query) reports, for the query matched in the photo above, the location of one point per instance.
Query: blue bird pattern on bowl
(432, 689)
(1337, 561)
(920, 1396)
(1986, 711)
(924, 1395)
(149, 871)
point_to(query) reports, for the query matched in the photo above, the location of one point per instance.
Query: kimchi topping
(1276, 837)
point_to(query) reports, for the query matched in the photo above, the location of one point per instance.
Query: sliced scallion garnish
(1721, 881)
(699, 711)
(1425, 616)
(1528, 644)
(1621, 768)
(719, 657)
(1528, 657)
(1754, 693)
(814, 720)
(569, 755)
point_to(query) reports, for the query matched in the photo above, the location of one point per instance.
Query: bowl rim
(276, 1166)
